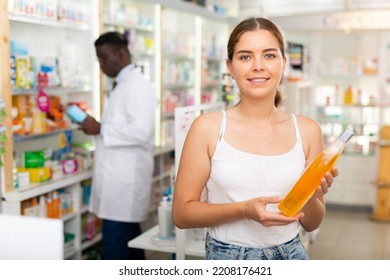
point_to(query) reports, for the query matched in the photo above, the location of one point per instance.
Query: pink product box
(69, 166)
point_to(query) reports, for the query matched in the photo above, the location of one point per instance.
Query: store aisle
(344, 235)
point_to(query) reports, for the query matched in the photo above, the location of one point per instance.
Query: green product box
(34, 159)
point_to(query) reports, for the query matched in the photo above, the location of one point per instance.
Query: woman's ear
(229, 66)
(284, 65)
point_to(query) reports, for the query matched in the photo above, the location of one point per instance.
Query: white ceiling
(277, 8)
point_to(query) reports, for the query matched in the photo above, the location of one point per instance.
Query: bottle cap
(164, 201)
(346, 135)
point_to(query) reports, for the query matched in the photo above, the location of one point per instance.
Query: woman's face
(257, 64)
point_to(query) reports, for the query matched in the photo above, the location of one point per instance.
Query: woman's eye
(244, 57)
(270, 55)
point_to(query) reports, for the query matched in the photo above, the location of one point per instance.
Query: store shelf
(49, 22)
(52, 90)
(69, 217)
(163, 175)
(70, 253)
(129, 26)
(163, 150)
(84, 209)
(19, 138)
(93, 241)
(384, 143)
(38, 189)
(178, 86)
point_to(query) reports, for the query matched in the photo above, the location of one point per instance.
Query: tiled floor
(346, 235)
(343, 235)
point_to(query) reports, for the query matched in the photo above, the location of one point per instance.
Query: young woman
(248, 157)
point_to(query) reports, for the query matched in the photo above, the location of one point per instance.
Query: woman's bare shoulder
(205, 131)
(307, 123)
(309, 128)
(208, 121)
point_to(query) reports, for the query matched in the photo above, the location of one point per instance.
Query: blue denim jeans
(291, 250)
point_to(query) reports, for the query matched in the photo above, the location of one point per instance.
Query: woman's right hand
(255, 209)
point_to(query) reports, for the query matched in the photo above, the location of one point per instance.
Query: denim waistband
(290, 250)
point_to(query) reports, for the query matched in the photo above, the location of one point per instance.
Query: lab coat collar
(123, 72)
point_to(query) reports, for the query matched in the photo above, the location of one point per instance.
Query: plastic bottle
(165, 218)
(42, 210)
(90, 227)
(56, 205)
(49, 206)
(308, 183)
(15, 176)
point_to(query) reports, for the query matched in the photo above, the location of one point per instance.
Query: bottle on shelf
(90, 231)
(56, 205)
(337, 96)
(49, 206)
(15, 176)
(165, 218)
(308, 183)
(348, 96)
(42, 210)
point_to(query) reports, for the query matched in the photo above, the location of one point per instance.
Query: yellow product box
(22, 74)
(38, 174)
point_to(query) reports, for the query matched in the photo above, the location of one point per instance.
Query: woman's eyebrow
(270, 50)
(265, 50)
(244, 51)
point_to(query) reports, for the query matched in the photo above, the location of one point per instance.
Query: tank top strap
(297, 134)
(223, 126)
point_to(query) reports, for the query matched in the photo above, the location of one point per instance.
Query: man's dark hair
(113, 39)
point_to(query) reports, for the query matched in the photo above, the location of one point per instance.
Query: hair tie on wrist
(242, 210)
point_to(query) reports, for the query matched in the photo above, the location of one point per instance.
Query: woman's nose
(258, 64)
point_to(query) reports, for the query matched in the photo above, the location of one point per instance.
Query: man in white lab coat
(123, 166)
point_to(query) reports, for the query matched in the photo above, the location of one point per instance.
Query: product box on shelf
(38, 174)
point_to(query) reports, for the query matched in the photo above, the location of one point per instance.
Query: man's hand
(90, 126)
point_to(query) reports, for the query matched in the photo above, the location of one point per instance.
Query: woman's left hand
(326, 183)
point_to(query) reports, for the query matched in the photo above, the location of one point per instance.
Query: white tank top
(236, 176)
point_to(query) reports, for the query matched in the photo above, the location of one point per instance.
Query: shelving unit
(365, 111)
(139, 21)
(298, 97)
(164, 170)
(158, 24)
(213, 64)
(180, 65)
(59, 38)
(382, 183)
(5, 79)
(12, 204)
